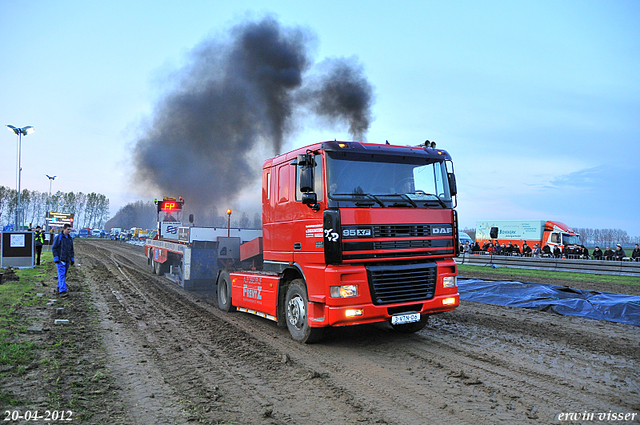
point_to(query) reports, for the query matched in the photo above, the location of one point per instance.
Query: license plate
(401, 319)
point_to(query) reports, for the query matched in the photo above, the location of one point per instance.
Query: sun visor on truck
(596, 305)
(366, 150)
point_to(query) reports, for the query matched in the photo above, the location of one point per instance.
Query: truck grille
(380, 242)
(401, 230)
(402, 283)
(402, 244)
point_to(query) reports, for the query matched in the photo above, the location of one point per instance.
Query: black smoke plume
(342, 94)
(239, 94)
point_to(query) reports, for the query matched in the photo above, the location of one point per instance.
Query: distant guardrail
(620, 268)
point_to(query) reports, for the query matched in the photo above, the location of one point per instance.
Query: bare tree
(471, 233)
(244, 221)
(257, 221)
(102, 210)
(137, 214)
(8, 197)
(36, 204)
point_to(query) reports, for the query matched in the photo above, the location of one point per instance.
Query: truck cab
(364, 232)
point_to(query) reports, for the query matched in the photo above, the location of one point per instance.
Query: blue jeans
(63, 267)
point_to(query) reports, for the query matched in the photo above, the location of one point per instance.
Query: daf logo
(441, 230)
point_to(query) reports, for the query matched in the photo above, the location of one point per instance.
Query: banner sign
(58, 219)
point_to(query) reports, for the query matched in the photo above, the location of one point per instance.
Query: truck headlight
(344, 291)
(449, 281)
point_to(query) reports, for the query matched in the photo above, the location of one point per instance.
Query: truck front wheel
(296, 307)
(224, 292)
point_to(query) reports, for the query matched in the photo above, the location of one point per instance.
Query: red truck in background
(552, 233)
(352, 233)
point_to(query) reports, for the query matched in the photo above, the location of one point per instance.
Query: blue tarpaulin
(557, 299)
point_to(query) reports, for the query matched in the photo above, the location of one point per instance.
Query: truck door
(308, 224)
(279, 230)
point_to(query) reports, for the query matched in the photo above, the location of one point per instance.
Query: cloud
(587, 180)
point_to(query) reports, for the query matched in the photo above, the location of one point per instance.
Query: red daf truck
(352, 233)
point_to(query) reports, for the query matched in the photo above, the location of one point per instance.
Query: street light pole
(229, 222)
(51, 179)
(20, 132)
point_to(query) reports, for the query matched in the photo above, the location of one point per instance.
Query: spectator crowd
(547, 251)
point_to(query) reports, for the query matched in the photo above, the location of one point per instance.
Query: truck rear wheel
(224, 292)
(296, 308)
(410, 328)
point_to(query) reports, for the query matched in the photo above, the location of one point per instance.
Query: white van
(464, 238)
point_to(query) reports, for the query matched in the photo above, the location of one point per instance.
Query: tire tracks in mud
(478, 364)
(213, 370)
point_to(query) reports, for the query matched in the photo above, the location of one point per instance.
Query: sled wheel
(150, 262)
(181, 273)
(159, 268)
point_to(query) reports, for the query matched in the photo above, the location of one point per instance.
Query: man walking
(63, 255)
(39, 239)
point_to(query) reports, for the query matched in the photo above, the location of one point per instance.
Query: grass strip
(501, 272)
(15, 296)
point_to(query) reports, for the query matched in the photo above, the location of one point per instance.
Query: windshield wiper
(440, 201)
(375, 199)
(359, 198)
(405, 197)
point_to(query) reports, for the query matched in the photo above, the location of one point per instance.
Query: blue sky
(537, 102)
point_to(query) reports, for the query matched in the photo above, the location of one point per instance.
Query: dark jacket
(636, 253)
(597, 254)
(62, 248)
(585, 252)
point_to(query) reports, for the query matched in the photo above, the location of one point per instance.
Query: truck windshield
(568, 239)
(387, 181)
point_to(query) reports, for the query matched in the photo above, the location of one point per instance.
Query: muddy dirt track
(177, 359)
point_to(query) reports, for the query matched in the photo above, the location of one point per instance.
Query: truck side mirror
(310, 199)
(306, 162)
(493, 233)
(452, 184)
(191, 218)
(306, 165)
